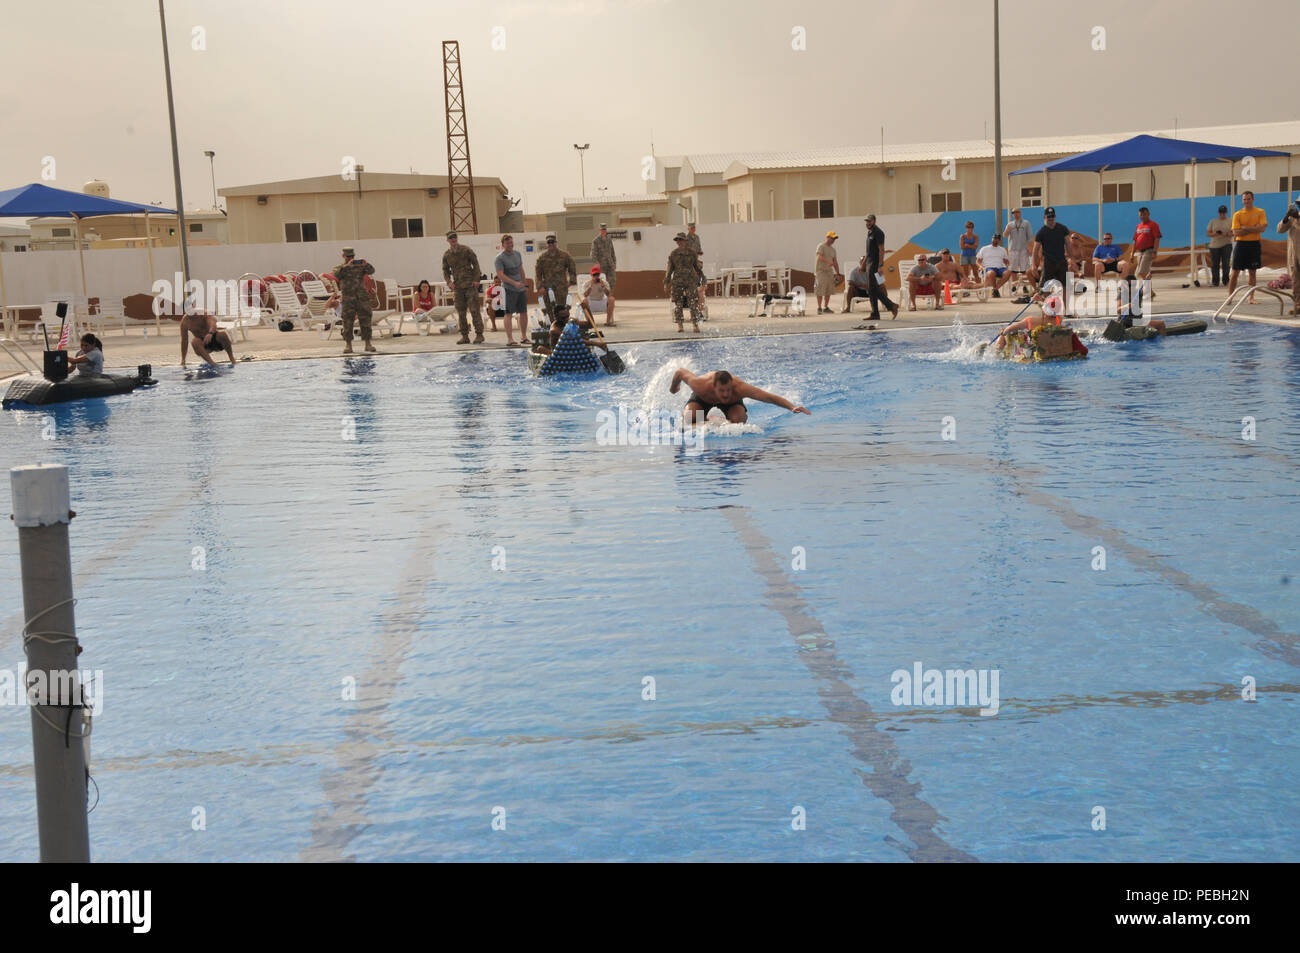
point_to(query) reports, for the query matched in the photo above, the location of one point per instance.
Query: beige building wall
(53, 234)
(912, 187)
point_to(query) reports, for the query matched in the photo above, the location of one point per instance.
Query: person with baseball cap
(355, 296)
(599, 291)
(825, 270)
(1219, 233)
(1049, 249)
(682, 281)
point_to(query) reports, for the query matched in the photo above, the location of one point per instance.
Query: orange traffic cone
(947, 292)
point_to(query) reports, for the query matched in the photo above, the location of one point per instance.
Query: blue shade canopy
(34, 201)
(1142, 151)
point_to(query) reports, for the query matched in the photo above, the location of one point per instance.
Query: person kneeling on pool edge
(726, 392)
(202, 328)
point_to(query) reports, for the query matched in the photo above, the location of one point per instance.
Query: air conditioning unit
(433, 193)
(261, 199)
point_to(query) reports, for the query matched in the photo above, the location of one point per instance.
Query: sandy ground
(636, 321)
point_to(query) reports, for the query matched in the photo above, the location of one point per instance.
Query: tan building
(329, 208)
(951, 176)
(15, 238)
(579, 223)
(205, 227)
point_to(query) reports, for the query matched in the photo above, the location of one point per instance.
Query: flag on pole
(63, 337)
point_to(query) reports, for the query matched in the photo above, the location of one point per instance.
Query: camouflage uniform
(354, 298)
(555, 271)
(602, 249)
(693, 243)
(460, 265)
(683, 277)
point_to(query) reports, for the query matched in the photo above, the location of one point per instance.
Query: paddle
(983, 345)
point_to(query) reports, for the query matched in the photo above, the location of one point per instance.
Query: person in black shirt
(1049, 249)
(875, 258)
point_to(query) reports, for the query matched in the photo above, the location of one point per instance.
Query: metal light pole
(582, 171)
(212, 167)
(997, 122)
(176, 156)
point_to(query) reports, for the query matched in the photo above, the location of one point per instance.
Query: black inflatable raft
(1117, 332)
(37, 391)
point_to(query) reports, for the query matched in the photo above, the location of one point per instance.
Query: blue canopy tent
(37, 201)
(1145, 151)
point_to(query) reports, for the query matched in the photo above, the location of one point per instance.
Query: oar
(983, 345)
(613, 363)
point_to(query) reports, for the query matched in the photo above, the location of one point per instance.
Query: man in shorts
(950, 271)
(1106, 258)
(922, 280)
(200, 329)
(1146, 246)
(995, 261)
(722, 390)
(598, 290)
(1248, 223)
(509, 267)
(1017, 237)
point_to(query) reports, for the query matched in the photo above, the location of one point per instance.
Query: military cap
(451, 235)
(679, 237)
(349, 252)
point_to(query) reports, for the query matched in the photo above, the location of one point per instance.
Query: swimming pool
(498, 585)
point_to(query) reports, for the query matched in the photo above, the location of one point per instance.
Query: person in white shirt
(995, 264)
(89, 361)
(598, 290)
(1019, 237)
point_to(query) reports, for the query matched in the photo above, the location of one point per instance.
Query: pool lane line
(281, 755)
(888, 779)
(368, 735)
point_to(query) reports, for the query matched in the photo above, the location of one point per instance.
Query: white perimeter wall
(110, 273)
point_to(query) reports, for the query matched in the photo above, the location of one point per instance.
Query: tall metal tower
(460, 176)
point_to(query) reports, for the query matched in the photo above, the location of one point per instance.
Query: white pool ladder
(1238, 297)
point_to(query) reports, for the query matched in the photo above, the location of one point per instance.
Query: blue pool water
(770, 582)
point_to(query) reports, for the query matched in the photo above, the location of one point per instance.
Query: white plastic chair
(905, 300)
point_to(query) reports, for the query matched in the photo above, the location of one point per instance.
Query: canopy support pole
(81, 256)
(1191, 226)
(1099, 196)
(148, 237)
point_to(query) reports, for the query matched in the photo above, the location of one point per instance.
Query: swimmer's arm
(755, 393)
(682, 376)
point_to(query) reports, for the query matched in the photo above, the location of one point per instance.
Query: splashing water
(658, 403)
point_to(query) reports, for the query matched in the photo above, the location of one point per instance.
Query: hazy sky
(285, 89)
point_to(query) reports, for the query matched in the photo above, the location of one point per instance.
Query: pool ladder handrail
(1241, 293)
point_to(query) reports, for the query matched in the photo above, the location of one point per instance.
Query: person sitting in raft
(1124, 314)
(202, 328)
(89, 361)
(1051, 307)
(726, 392)
(561, 321)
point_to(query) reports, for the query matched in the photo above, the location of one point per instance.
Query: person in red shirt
(1146, 245)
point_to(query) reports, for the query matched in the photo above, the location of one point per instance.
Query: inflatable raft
(1115, 331)
(38, 391)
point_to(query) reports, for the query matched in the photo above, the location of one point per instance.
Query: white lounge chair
(288, 307)
(905, 301)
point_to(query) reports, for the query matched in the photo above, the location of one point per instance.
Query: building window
(1295, 184)
(196, 226)
(61, 232)
(1225, 186)
(945, 202)
(818, 208)
(20, 248)
(408, 227)
(1031, 196)
(300, 231)
(1117, 192)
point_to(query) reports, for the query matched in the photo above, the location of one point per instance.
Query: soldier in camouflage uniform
(682, 281)
(602, 249)
(555, 271)
(461, 272)
(354, 298)
(693, 243)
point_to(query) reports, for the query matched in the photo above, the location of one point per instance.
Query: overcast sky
(285, 89)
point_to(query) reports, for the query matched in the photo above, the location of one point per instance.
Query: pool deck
(638, 320)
